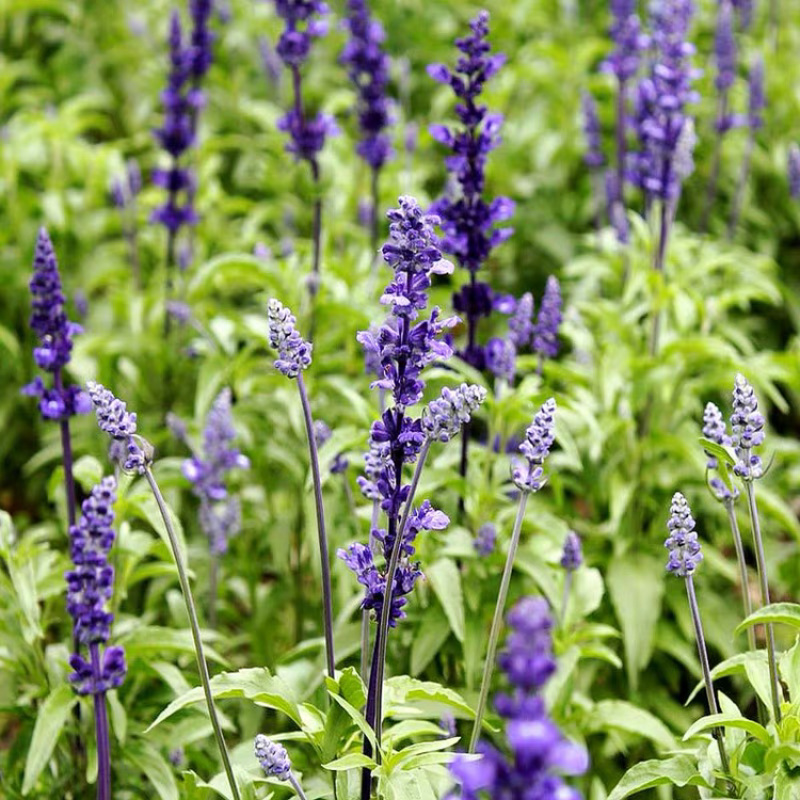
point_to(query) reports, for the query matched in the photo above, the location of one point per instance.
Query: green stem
(494, 634)
(761, 563)
(747, 603)
(191, 610)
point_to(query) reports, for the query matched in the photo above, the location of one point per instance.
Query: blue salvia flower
(520, 325)
(572, 553)
(629, 42)
(501, 358)
(90, 586)
(469, 219)
(545, 333)
(54, 330)
(485, 539)
(114, 419)
(747, 424)
(273, 758)
(661, 100)
(794, 171)
(684, 549)
(539, 438)
(615, 207)
(201, 41)
(219, 513)
(539, 752)
(294, 352)
(725, 58)
(594, 157)
(375, 462)
(443, 418)
(757, 99)
(368, 68)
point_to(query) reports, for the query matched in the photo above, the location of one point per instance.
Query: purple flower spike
(539, 439)
(572, 554)
(540, 753)
(294, 352)
(725, 47)
(757, 100)
(114, 419)
(444, 417)
(747, 424)
(593, 157)
(485, 539)
(520, 326)
(794, 171)
(368, 68)
(715, 429)
(684, 549)
(545, 334)
(501, 358)
(273, 758)
(629, 41)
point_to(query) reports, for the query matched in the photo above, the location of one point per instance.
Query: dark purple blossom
(114, 419)
(545, 333)
(593, 157)
(307, 134)
(572, 554)
(90, 586)
(368, 68)
(539, 752)
(747, 424)
(684, 549)
(201, 40)
(539, 438)
(294, 352)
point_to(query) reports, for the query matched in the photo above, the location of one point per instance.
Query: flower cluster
(594, 156)
(469, 220)
(684, 549)
(368, 67)
(177, 135)
(539, 439)
(520, 325)
(273, 758)
(661, 101)
(725, 58)
(572, 554)
(50, 324)
(304, 21)
(747, 425)
(757, 99)
(444, 417)
(539, 752)
(90, 587)
(114, 419)
(294, 352)
(219, 513)
(629, 41)
(485, 539)
(715, 430)
(201, 53)
(545, 333)
(359, 558)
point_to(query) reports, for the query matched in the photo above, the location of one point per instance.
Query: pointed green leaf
(445, 578)
(728, 721)
(676, 771)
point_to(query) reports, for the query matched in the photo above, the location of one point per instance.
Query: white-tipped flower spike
(294, 352)
(684, 549)
(114, 419)
(748, 430)
(444, 417)
(273, 758)
(539, 439)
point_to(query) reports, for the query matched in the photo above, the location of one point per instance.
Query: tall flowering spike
(294, 352)
(757, 100)
(114, 419)
(444, 417)
(794, 171)
(501, 358)
(539, 439)
(725, 47)
(90, 586)
(273, 758)
(520, 326)
(539, 752)
(219, 514)
(629, 41)
(572, 553)
(54, 330)
(368, 68)
(593, 157)
(684, 549)
(468, 217)
(200, 43)
(545, 334)
(661, 100)
(748, 430)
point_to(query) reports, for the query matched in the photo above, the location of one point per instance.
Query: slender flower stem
(738, 199)
(665, 227)
(713, 179)
(747, 603)
(191, 610)
(761, 563)
(295, 784)
(101, 730)
(317, 229)
(323, 539)
(713, 708)
(494, 633)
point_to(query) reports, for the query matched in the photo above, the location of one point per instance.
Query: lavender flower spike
(274, 760)
(114, 419)
(90, 586)
(572, 555)
(545, 333)
(684, 556)
(294, 352)
(539, 439)
(520, 326)
(444, 417)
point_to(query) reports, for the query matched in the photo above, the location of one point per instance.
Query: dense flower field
(401, 399)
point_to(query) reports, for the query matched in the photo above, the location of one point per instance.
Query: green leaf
(50, 720)
(427, 698)
(88, 472)
(150, 639)
(429, 639)
(337, 721)
(351, 761)
(400, 757)
(158, 771)
(623, 716)
(678, 771)
(728, 721)
(256, 684)
(446, 581)
(718, 451)
(735, 665)
(359, 720)
(241, 272)
(786, 613)
(636, 586)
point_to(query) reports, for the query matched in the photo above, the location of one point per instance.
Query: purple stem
(101, 728)
(323, 539)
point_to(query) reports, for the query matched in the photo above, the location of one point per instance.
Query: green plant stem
(494, 633)
(747, 603)
(325, 567)
(713, 708)
(761, 563)
(191, 610)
